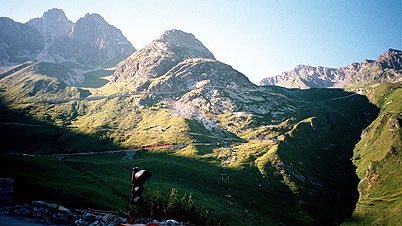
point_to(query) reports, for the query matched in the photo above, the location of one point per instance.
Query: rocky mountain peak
(96, 42)
(94, 17)
(390, 59)
(303, 68)
(53, 23)
(55, 14)
(94, 23)
(178, 38)
(90, 42)
(158, 57)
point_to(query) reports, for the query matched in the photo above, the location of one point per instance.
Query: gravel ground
(16, 221)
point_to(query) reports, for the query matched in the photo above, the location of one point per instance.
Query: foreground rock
(54, 214)
(42, 213)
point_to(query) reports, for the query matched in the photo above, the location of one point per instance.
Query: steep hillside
(249, 160)
(377, 157)
(322, 145)
(283, 162)
(386, 68)
(40, 82)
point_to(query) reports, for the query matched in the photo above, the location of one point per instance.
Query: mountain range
(82, 46)
(247, 153)
(386, 68)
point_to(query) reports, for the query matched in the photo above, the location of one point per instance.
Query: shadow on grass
(241, 195)
(103, 180)
(318, 153)
(94, 79)
(21, 133)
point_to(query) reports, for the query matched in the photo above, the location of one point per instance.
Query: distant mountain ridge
(18, 42)
(386, 68)
(90, 42)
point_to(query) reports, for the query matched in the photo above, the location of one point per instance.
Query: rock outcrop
(54, 214)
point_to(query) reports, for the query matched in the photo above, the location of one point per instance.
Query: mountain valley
(254, 154)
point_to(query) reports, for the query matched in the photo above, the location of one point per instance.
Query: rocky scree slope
(386, 68)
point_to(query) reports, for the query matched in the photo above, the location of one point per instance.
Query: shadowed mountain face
(18, 42)
(91, 41)
(386, 68)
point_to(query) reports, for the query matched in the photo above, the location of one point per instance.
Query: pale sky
(259, 38)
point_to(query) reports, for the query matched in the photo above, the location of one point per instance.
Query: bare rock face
(186, 42)
(386, 68)
(391, 59)
(90, 42)
(18, 42)
(158, 57)
(54, 23)
(197, 73)
(303, 77)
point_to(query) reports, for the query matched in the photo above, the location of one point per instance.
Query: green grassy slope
(253, 178)
(314, 158)
(25, 134)
(103, 180)
(378, 157)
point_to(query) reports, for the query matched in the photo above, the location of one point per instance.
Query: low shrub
(172, 206)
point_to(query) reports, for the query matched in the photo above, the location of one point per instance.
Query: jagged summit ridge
(18, 42)
(391, 59)
(386, 68)
(90, 42)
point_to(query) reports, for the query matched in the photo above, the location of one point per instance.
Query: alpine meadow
(80, 106)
